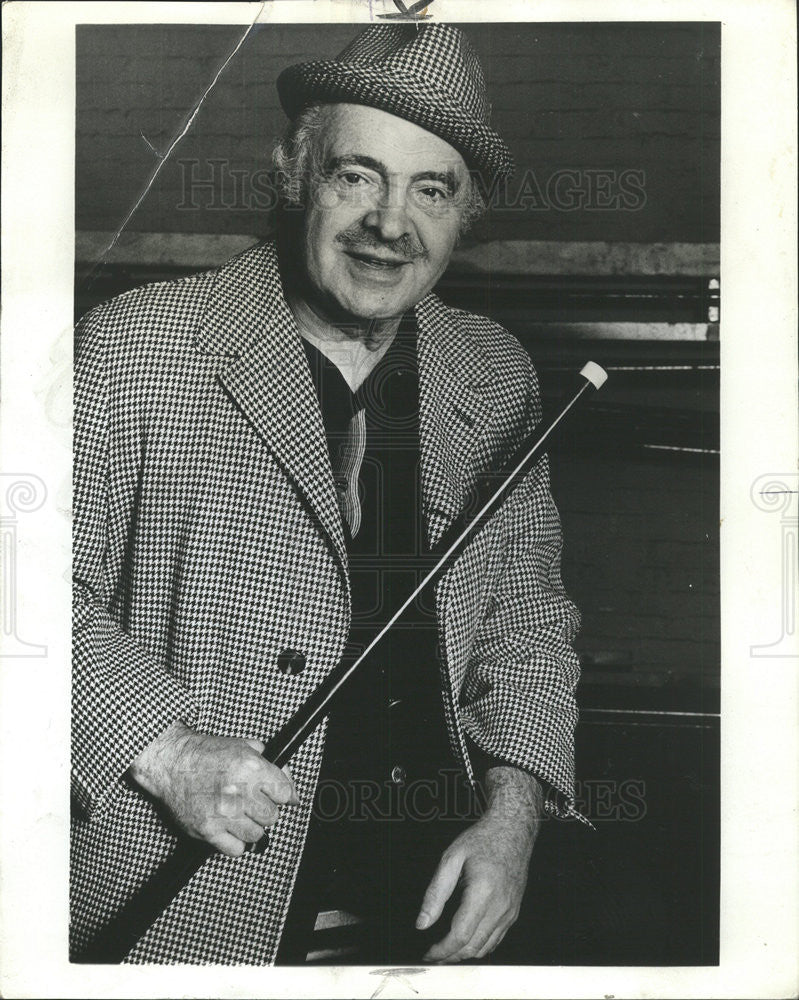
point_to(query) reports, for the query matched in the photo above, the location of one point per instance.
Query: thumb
(256, 745)
(441, 887)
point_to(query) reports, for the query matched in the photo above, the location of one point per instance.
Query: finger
(245, 829)
(278, 786)
(225, 842)
(441, 887)
(468, 917)
(454, 947)
(496, 920)
(478, 939)
(262, 811)
(256, 745)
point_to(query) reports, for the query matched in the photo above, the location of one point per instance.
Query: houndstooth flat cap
(428, 74)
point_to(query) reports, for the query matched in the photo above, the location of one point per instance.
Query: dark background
(636, 483)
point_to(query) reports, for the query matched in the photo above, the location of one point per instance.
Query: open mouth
(378, 263)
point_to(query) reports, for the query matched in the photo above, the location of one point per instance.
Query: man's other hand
(217, 788)
(488, 864)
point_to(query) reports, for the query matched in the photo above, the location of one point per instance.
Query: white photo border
(759, 926)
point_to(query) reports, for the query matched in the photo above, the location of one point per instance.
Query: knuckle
(229, 786)
(250, 779)
(250, 766)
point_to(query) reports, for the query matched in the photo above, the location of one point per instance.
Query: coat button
(289, 661)
(398, 774)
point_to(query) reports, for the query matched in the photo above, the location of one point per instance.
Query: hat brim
(333, 82)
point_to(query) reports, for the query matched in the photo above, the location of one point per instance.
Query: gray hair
(297, 157)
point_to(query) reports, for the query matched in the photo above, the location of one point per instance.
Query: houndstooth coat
(207, 539)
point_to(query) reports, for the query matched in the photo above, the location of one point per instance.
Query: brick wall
(640, 559)
(581, 97)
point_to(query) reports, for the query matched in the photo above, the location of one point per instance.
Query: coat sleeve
(121, 698)
(518, 700)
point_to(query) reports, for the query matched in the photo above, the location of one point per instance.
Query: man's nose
(388, 218)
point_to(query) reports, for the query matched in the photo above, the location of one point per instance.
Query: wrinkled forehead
(402, 147)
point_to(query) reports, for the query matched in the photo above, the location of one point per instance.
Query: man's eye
(434, 195)
(352, 179)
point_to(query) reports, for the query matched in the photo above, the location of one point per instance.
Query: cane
(119, 936)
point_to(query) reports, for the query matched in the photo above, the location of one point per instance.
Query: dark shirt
(390, 724)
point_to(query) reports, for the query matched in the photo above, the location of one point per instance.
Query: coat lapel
(247, 320)
(455, 408)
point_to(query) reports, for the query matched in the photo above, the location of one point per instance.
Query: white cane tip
(596, 375)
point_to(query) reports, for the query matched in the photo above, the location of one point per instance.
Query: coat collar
(248, 321)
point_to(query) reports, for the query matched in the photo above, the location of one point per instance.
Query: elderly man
(263, 456)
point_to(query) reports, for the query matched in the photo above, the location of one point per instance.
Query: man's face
(383, 217)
